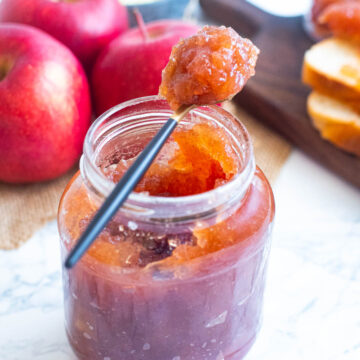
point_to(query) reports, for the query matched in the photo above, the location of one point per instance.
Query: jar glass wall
(177, 297)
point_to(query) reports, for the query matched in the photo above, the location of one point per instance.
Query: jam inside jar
(179, 272)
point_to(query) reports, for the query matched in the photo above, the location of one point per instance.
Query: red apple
(44, 105)
(85, 26)
(131, 65)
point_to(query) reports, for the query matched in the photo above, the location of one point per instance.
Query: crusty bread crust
(327, 85)
(332, 66)
(337, 121)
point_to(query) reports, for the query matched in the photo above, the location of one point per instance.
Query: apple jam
(179, 272)
(208, 68)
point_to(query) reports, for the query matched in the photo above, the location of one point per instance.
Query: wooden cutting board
(276, 95)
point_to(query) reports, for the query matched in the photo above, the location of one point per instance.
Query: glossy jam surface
(188, 290)
(337, 17)
(319, 6)
(343, 19)
(208, 68)
(195, 159)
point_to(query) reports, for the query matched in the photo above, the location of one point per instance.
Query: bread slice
(337, 121)
(332, 67)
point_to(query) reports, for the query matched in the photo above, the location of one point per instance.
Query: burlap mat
(25, 209)
(271, 150)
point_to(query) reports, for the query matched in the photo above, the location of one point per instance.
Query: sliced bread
(337, 121)
(332, 67)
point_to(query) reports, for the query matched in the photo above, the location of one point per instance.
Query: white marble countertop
(312, 300)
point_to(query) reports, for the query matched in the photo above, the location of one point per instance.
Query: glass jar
(205, 308)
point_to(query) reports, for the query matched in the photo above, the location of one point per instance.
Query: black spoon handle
(120, 193)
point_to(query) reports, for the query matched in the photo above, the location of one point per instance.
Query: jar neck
(142, 118)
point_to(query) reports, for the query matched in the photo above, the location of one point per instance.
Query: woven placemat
(25, 209)
(271, 150)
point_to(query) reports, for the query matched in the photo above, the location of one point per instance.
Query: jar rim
(136, 201)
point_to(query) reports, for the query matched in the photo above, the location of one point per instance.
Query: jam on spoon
(208, 68)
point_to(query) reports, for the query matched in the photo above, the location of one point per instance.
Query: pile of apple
(53, 54)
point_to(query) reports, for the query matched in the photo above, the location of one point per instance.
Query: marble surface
(312, 300)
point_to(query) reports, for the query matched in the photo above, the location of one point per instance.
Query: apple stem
(5, 67)
(141, 24)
